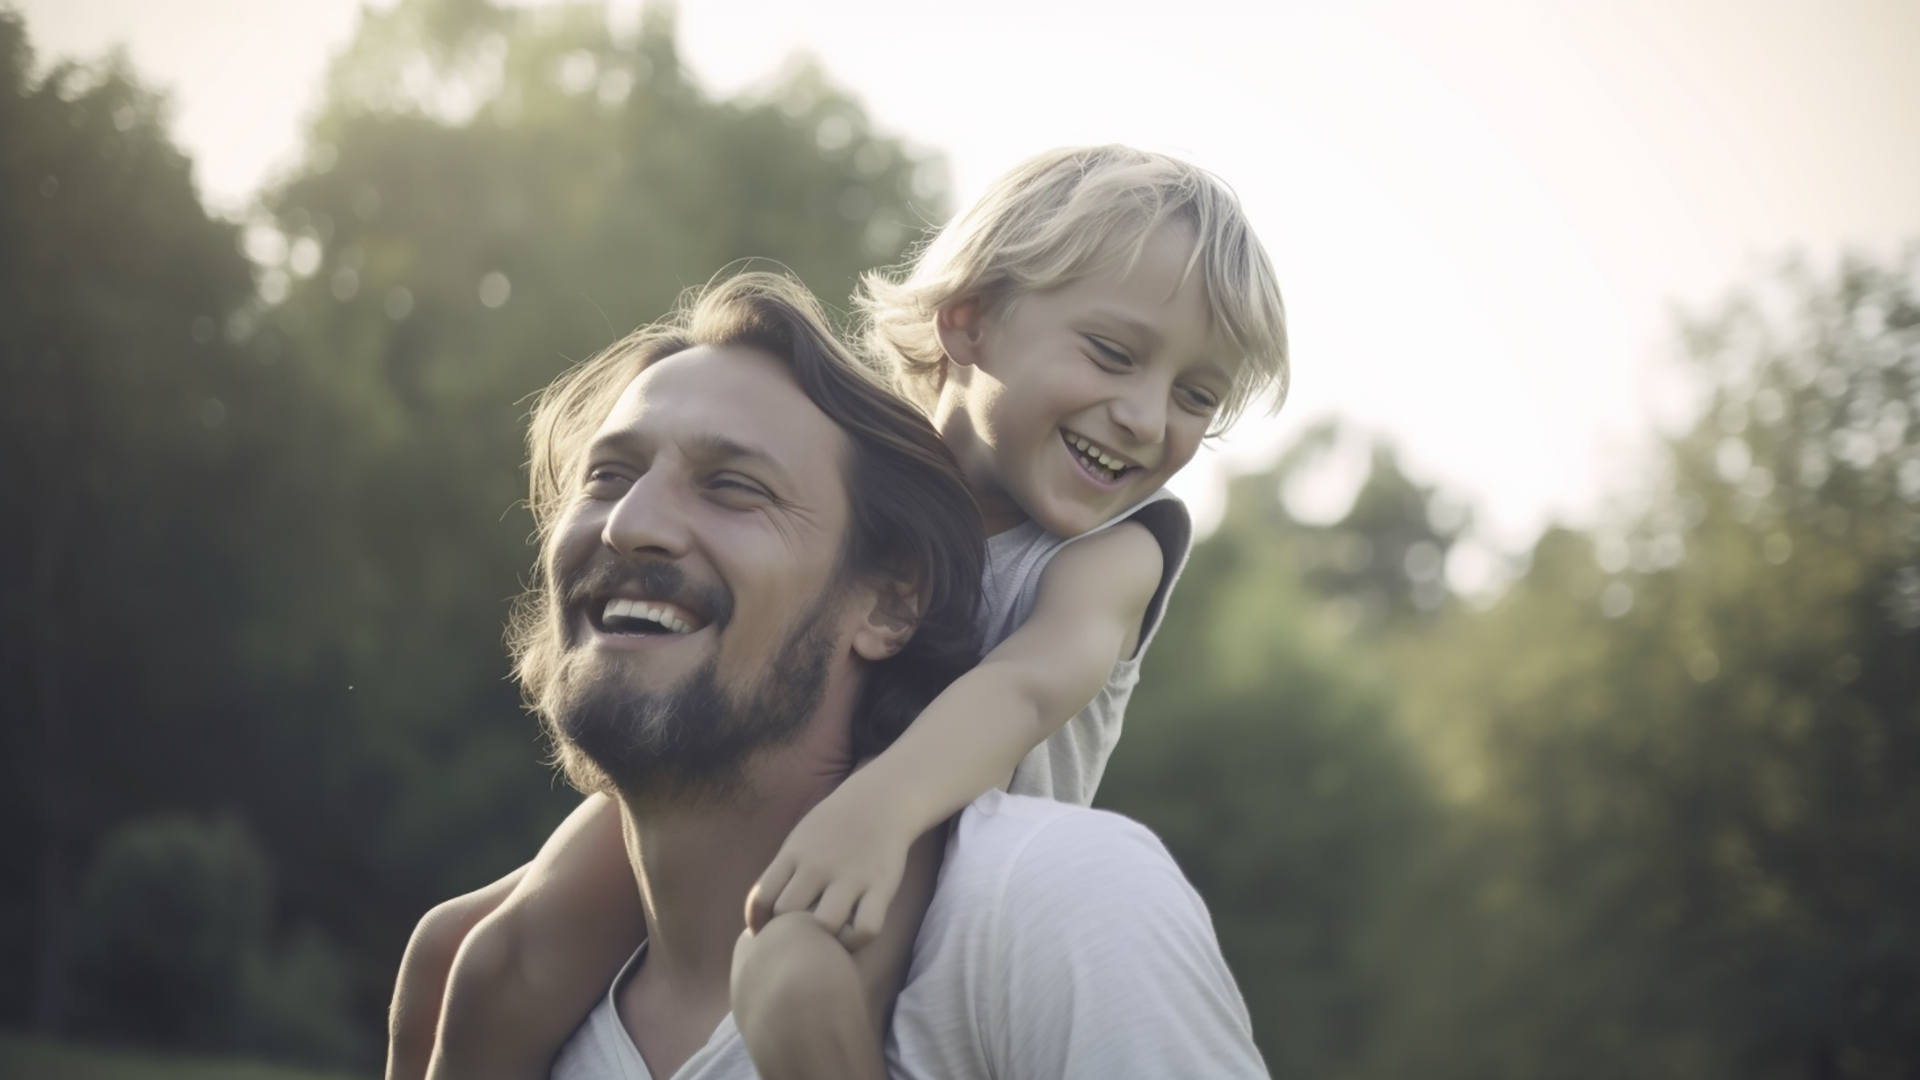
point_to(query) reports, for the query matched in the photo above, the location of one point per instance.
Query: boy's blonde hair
(1066, 214)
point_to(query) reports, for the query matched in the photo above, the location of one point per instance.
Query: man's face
(695, 572)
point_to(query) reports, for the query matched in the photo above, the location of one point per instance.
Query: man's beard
(690, 742)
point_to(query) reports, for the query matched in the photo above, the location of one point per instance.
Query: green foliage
(489, 195)
(268, 475)
(1381, 564)
(1268, 763)
(43, 1060)
(173, 947)
(1698, 736)
(1650, 814)
(114, 468)
(170, 914)
(296, 1003)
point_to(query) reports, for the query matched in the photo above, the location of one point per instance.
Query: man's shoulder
(1017, 851)
(1016, 832)
(1064, 942)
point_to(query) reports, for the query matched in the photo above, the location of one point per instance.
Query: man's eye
(601, 482)
(737, 487)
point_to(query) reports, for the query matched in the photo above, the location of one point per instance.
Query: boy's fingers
(799, 895)
(868, 917)
(765, 892)
(858, 931)
(835, 907)
(872, 914)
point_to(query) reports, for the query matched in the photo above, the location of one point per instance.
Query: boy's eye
(1109, 353)
(1199, 399)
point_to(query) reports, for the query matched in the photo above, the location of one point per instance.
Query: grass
(37, 1059)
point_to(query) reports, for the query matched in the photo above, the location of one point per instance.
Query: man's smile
(647, 617)
(627, 602)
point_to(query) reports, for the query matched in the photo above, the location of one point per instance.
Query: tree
(113, 386)
(1261, 747)
(490, 194)
(1698, 734)
(291, 477)
(1382, 564)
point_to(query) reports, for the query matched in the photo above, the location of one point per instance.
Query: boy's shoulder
(1162, 518)
(1140, 553)
(1161, 512)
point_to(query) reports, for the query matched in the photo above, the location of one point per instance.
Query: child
(1073, 336)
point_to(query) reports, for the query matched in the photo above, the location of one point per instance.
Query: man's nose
(649, 520)
(1142, 412)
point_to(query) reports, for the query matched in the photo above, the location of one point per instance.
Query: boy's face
(1077, 402)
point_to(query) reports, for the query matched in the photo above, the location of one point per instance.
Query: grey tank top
(1068, 765)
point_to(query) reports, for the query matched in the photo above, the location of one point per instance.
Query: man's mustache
(606, 575)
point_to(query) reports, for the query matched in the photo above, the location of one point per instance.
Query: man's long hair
(913, 521)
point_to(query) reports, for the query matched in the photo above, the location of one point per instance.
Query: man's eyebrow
(715, 447)
(708, 448)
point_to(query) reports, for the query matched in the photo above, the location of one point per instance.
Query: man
(757, 566)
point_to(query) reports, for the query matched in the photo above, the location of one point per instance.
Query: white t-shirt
(1068, 764)
(1062, 943)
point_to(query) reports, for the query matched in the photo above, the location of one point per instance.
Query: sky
(1485, 214)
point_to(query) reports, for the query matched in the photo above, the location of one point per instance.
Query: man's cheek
(746, 647)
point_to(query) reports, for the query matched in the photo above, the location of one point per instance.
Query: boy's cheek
(1183, 448)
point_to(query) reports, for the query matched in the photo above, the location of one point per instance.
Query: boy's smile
(1102, 466)
(1070, 405)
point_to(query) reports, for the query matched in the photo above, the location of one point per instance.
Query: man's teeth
(640, 609)
(1107, 461)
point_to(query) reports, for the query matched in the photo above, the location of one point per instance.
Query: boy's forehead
(1156, 290)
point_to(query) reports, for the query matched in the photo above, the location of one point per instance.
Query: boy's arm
(532, 970)
(844, 859)
(414, 1019)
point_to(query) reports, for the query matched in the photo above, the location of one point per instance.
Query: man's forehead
(733, 394)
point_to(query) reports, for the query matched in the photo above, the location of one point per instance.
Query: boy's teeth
(1110, 463)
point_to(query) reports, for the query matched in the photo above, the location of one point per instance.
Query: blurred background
(1544, 702)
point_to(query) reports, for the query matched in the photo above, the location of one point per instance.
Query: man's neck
(694, 865)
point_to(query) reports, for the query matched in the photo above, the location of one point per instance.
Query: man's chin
(632, 738)
(689, 741)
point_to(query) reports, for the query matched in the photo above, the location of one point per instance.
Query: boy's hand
(842, 862)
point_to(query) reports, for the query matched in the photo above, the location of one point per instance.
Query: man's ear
(888, 622)
(962, 324)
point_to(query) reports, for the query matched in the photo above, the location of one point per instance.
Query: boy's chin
(1081, 517)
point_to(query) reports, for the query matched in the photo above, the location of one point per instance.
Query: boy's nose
(1141, 414)
(648, 520)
